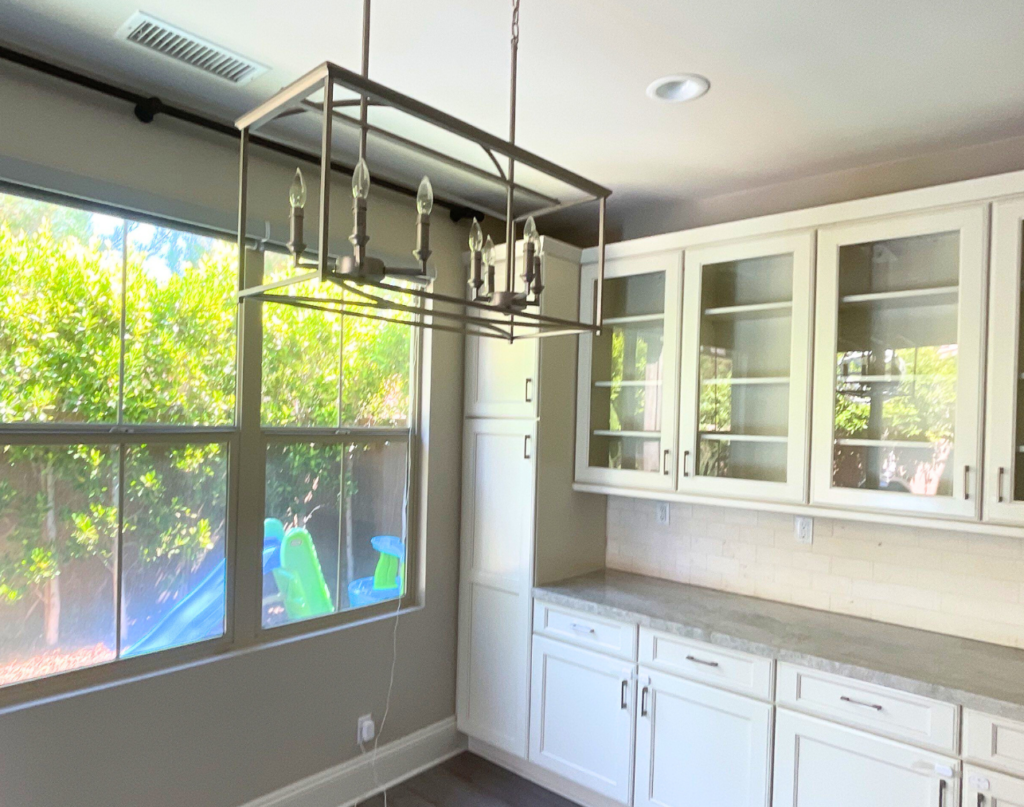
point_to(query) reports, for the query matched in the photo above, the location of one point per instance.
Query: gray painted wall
(225, 731)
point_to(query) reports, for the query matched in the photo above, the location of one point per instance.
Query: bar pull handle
(967, 479)
(576, 626)
(528, 393)
(696, 660)
(643, 701)
(999, 490)
(526, 446)
(625, 688)
(686, 456)
(981, 800)
(846, 699)
(942, 792)
(664, 461)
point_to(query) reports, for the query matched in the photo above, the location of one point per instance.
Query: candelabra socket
(538, 286)
(476, 263)
(422, 251)
(490, 281)
(295, 243)
(359, 238)
(528, 257)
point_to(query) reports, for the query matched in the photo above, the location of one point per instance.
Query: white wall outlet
(804, 528)
(662, 513)
(365, 730)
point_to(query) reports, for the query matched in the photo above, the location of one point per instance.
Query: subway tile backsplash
(957, 583)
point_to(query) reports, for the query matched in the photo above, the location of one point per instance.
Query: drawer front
(579, 628)
(919, 720)
(707, 663)
(994, 741)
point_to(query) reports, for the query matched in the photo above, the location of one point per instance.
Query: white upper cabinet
(1004, 437)
(898, 364)
(501, 378)
(745, 382)
(627, 396)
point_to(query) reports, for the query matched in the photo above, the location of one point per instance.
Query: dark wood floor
(468, 781)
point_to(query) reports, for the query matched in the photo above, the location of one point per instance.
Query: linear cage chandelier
(472, 169)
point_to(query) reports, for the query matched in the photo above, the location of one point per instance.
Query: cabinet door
(496, 576)
(501, 378)
(581, 716)
(627, 395)
(745, 382)
(898, 364)
(696, 745)
(820, 764)
(1004, 437)
(984, 788)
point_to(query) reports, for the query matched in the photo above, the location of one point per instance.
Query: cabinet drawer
(586, 630)
(699, 661)
(994, 741)
(919, 720)
(990, 789)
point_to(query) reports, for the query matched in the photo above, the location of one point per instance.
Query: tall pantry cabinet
(522, 524)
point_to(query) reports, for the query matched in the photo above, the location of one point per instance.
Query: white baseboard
(350, 782)
(541, 776)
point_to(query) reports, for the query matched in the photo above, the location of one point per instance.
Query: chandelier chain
(515, 22)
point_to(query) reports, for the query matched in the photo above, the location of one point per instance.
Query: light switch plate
(804, 529)
(662, 513)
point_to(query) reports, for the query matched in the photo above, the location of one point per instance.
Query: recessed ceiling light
(676, 89)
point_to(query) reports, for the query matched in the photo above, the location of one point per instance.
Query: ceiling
(798, 88)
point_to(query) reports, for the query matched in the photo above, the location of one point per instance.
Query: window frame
(247, 441)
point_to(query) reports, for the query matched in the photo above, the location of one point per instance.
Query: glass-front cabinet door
(627, 395)
(746, 369)
(1004, 423)
(898, 364)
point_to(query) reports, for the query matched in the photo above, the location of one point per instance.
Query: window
(336, 414)
(119, 446)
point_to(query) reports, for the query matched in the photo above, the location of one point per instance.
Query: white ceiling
(797, 87)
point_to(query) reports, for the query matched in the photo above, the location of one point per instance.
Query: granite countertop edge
(573, 593)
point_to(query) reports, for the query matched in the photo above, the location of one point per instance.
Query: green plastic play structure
(300, 578)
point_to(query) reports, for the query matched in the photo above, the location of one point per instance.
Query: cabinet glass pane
(896, 365)
(746, 321)
(627, 372)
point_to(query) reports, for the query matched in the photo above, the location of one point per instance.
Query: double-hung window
(121, 450)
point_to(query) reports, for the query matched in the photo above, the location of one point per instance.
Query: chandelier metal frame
(368, 287)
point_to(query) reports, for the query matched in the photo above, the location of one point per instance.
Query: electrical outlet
(365, 730)
(662, 513)
(804, 528)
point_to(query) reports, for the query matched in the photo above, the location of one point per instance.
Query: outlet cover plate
(365, 729)
(803, 527)
(662, 513)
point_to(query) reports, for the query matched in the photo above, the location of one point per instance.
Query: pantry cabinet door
(820, 764)
(1004, 423)
(899, 364)
(745, 381)
(696, 745)
(492, 700)
(627, 393)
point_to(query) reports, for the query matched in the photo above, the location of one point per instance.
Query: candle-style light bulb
(361, 181)
(425, 197)
(476, 237)
(297, 190)
(489, 252)
(530, 232)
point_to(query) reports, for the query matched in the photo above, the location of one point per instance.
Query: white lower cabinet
(984, 788)
(820, 764)
(581, 716)
(696, 745)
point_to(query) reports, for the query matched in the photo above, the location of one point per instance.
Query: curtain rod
(146, 108)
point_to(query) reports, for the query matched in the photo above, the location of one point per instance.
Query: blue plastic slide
(201, 614)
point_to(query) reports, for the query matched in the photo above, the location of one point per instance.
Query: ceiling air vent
(155, 35)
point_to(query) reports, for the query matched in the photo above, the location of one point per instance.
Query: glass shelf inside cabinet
(746, 317)
(896, 365)
(627, 372)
